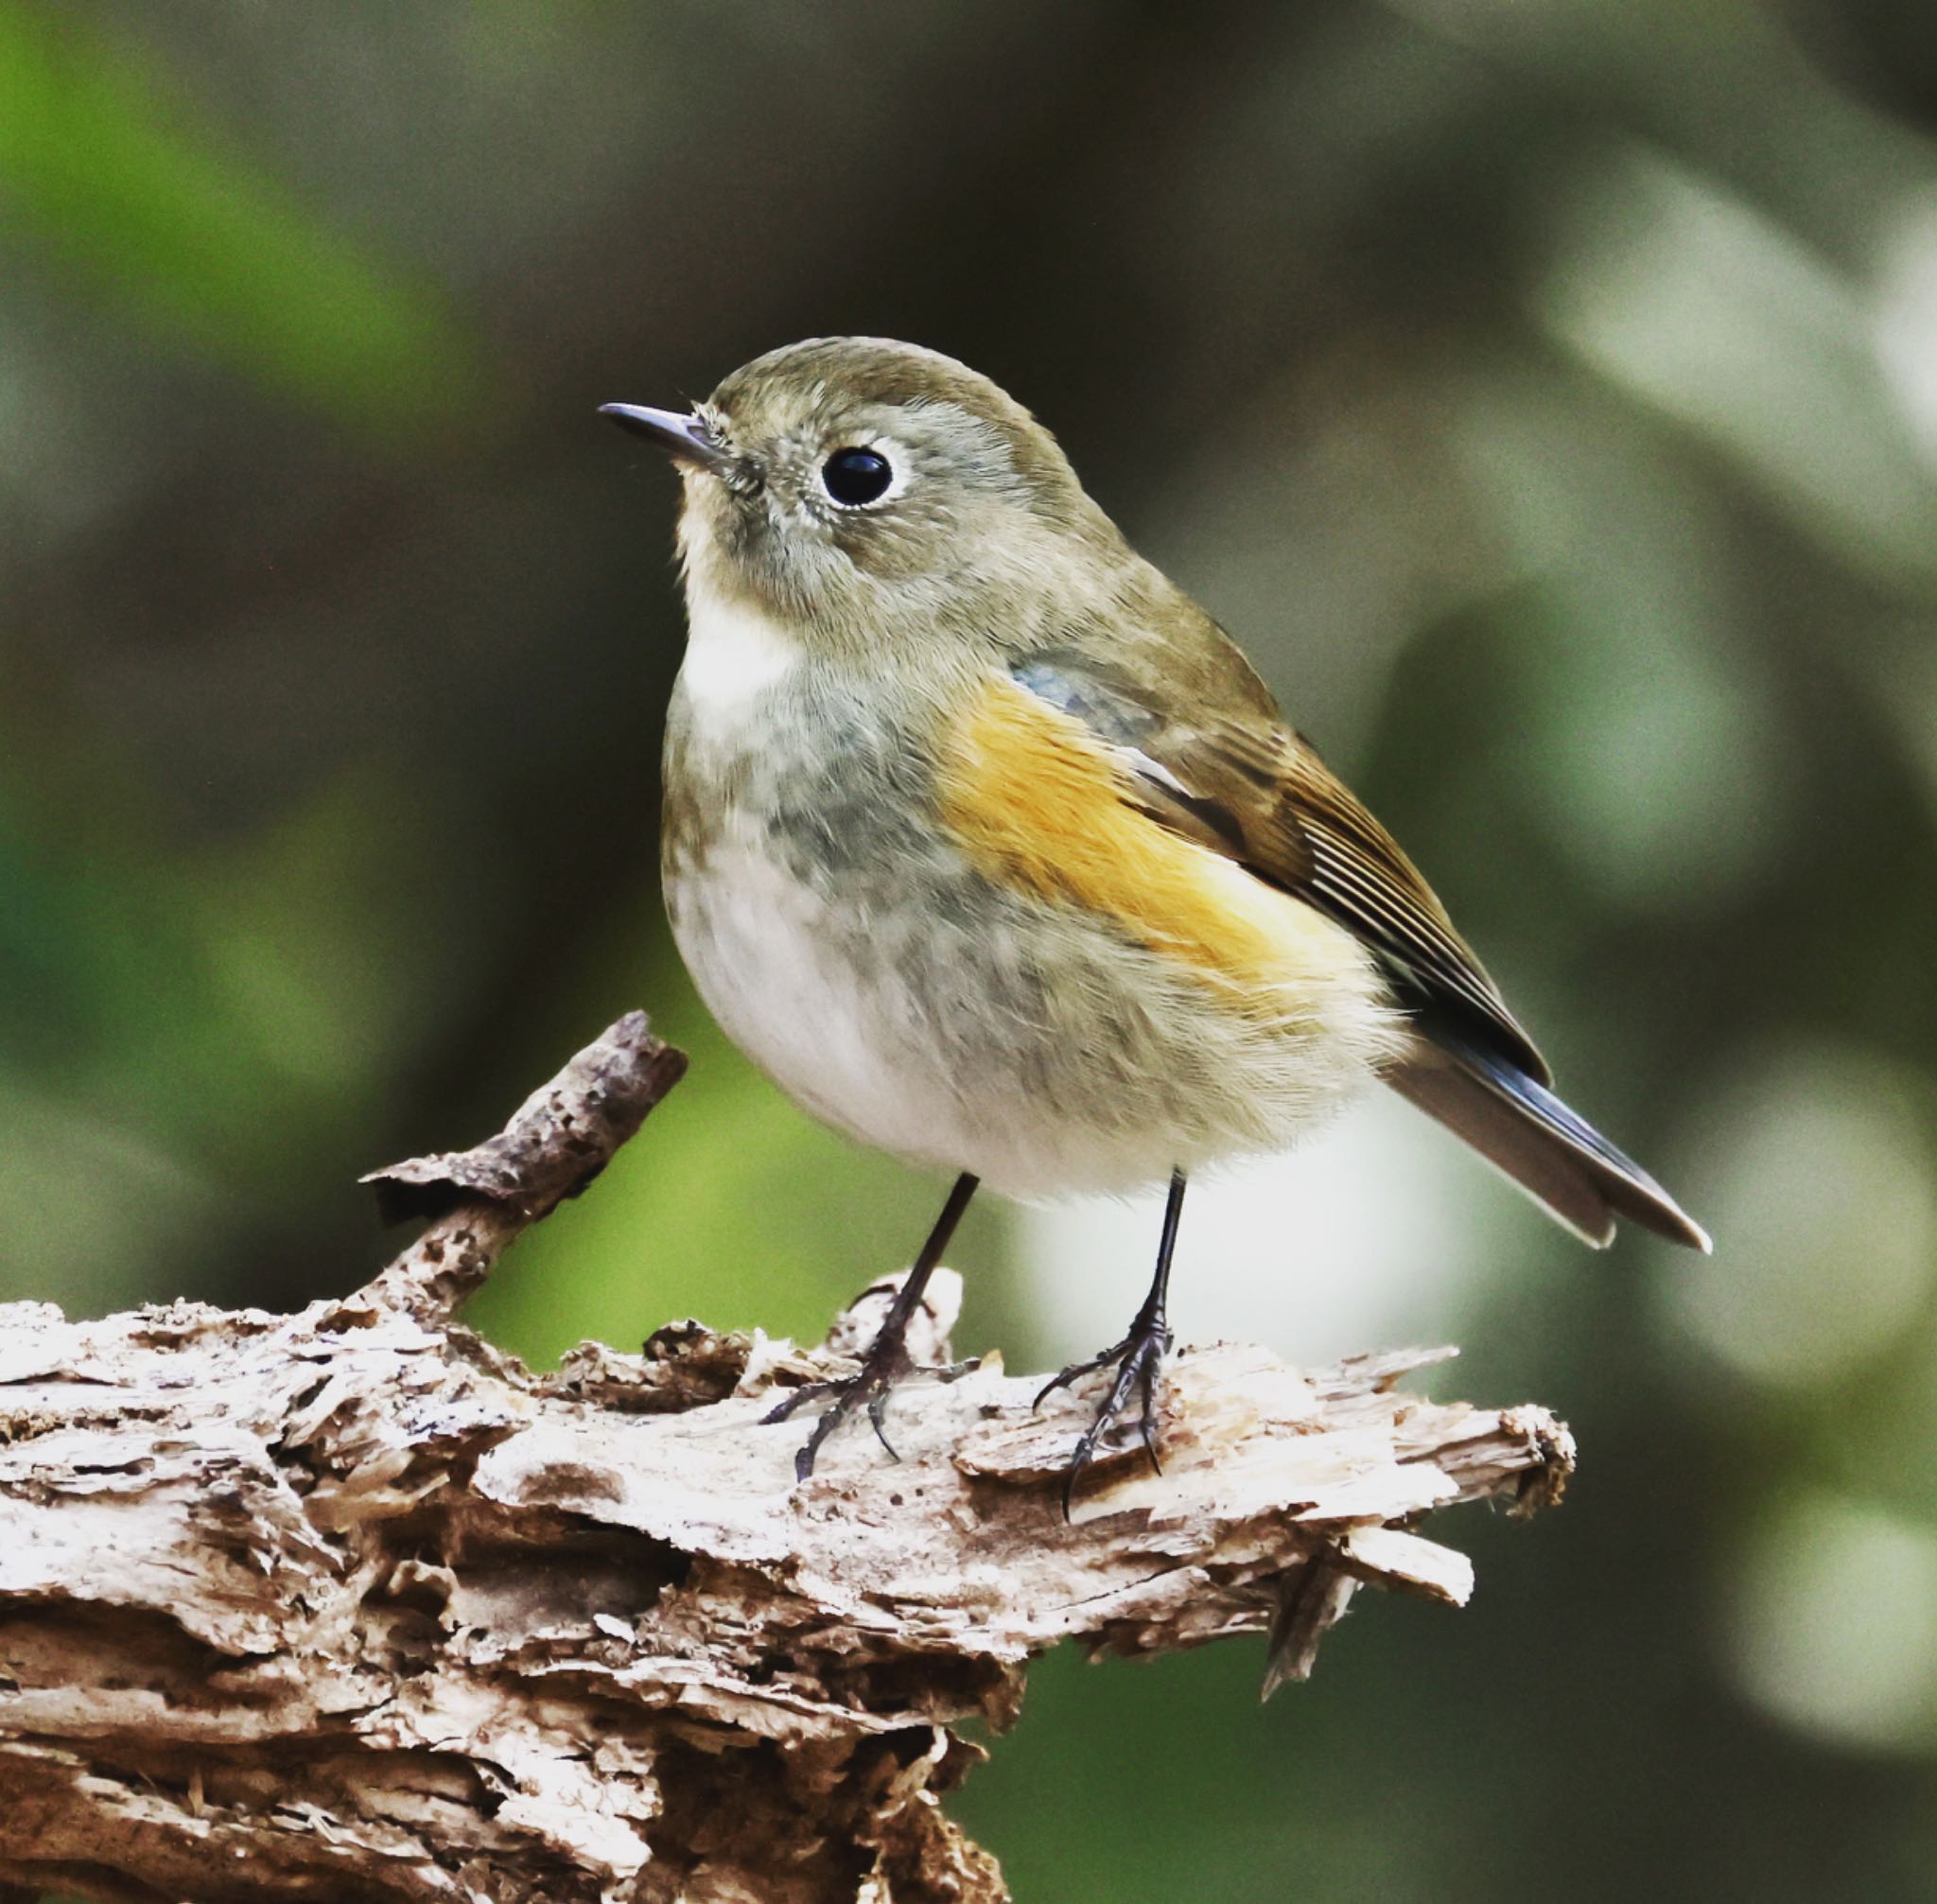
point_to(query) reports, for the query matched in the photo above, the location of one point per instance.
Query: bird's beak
(683, 438)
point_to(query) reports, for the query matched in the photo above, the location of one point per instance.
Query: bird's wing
(1236, 778)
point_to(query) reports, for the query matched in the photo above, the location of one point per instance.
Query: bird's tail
(1525, 1131)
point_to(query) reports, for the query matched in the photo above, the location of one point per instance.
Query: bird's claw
(885, 1366)
(1136, 1359)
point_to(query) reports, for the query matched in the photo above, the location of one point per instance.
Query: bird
(991, 849)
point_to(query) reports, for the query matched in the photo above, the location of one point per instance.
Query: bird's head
(853, 486)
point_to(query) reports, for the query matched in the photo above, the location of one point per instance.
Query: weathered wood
(349, 1605)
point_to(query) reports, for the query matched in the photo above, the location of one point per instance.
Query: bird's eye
(855, 478)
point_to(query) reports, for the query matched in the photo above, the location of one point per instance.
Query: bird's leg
(887, 1360)
(1136, 1358)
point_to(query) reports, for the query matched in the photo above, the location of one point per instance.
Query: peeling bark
(349, 1605)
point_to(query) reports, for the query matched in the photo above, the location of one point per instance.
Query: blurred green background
(1545, 391)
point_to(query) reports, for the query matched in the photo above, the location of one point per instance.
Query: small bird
(993, 849)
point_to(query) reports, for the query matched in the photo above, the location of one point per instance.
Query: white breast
(735, 655)
(758, 945)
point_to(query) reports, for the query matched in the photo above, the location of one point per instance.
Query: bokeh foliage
(1545, 391)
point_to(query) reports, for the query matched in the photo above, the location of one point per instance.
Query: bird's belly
(972, 1031)
(773, 961)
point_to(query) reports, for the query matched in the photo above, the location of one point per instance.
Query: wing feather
(1228, 773)
(1261, 795)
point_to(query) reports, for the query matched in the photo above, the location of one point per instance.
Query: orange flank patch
(1037, 802)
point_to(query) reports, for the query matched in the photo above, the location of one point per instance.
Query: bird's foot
(886, 1365)
(1136, 1359)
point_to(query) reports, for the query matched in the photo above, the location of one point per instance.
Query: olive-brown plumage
(990, 846)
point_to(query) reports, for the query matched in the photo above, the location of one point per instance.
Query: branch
(347, 1604)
